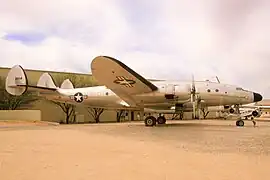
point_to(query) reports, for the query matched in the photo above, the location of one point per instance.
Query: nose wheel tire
(150, 121)
(161, 120)
(240, 123)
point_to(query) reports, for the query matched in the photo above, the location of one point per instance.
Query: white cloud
(77, 31)
(167, 39)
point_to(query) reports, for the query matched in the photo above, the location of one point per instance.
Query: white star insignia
(78, 97)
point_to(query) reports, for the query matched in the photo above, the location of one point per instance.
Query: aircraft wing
(122, 80)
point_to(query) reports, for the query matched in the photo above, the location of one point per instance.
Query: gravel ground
(181, 149)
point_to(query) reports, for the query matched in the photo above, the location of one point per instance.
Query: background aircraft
(125, 89)
(251, 110)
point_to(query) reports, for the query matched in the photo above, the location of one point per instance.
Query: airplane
(123, 88)
(251, 111)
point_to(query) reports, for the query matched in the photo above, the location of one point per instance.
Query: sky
(159, 39)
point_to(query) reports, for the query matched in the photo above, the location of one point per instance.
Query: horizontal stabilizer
(17, 82)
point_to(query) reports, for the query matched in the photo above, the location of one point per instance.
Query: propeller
(194, 98)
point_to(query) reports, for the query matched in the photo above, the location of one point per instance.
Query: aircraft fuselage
(168, 94)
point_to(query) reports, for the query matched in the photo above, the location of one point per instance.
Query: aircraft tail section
(16, 81)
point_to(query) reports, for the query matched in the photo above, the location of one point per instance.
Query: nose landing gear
(240, 122)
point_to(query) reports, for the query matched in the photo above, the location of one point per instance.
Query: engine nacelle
(256, 113)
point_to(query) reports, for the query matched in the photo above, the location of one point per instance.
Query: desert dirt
(179, 150)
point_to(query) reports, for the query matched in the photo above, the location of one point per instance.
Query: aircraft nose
(257, 97)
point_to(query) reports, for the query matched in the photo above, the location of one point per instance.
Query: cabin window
(217, 90)
(208, 90)
(226, 92)
(107, 93)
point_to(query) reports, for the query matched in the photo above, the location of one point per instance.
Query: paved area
(179, 150)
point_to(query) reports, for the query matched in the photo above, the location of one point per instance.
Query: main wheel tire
(150, 121)
(240, 123)
(161, 120)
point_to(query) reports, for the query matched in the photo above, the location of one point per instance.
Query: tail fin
(46, 81)
(16, 81)
(67, 84)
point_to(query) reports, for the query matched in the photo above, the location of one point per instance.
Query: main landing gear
(240, 122)
(152, 121)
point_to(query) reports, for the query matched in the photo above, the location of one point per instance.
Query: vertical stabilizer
(16, 81)
(67, 84)
(46, 81)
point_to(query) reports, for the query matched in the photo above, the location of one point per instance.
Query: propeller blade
(194, 98)
(193, 89)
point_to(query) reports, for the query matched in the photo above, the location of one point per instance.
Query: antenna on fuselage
(217, 80)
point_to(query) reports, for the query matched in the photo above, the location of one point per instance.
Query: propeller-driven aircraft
(251, 110)
(123, 88)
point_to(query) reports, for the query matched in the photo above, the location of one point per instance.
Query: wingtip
(101, 58)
